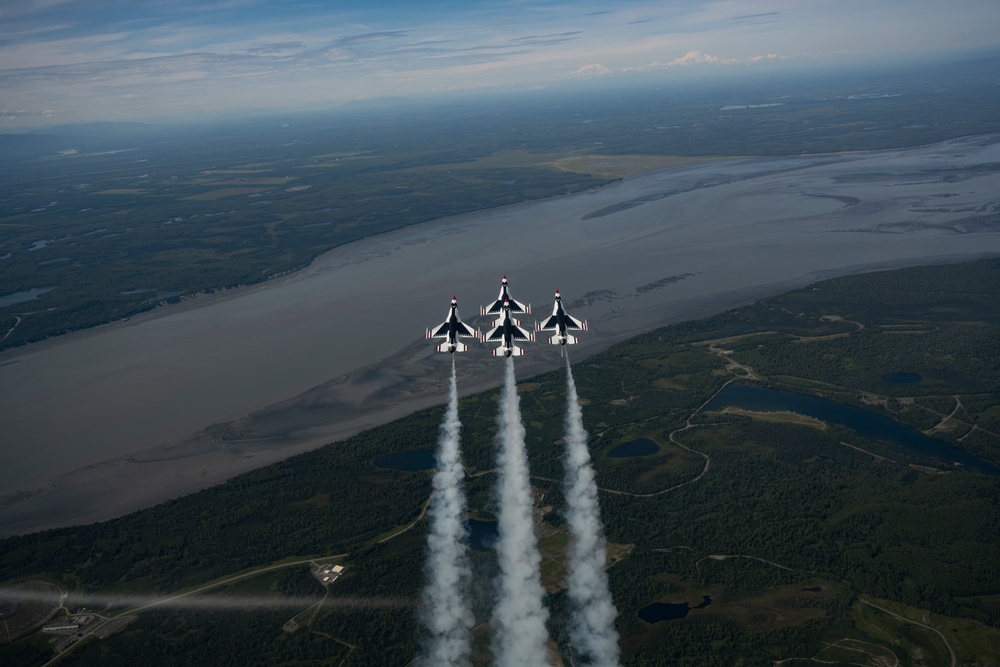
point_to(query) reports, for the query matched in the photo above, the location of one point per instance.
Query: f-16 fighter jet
(497, 307)
(451, 329)
(560, 322)
(506, 331)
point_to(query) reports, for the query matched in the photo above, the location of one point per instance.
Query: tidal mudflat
(103, 422)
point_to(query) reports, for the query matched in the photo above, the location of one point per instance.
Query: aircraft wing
(517, 333)
(497, 307)
(464, 330)
(494, 335)
(552, 323)
(440, 331)
(549, 324)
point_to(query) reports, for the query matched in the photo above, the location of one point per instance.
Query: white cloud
(68, 55)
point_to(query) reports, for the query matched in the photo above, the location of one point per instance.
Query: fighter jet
(497, 307)
(505, 331)
(451, 329)
(560, 322)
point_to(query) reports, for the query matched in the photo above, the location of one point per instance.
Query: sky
(85, 60)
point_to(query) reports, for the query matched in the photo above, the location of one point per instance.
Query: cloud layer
(156, 58)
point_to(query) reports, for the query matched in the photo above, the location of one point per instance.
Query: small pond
(483, 535)
(669, 611)
(413, 461)
(637, 447)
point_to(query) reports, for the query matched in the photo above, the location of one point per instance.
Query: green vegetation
(792, 534)
(138, 216)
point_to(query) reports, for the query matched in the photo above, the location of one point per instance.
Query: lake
(21, 297)
(900, 437)
(670, 611)
(637, 447)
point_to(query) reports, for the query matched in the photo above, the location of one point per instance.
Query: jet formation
(506, 330)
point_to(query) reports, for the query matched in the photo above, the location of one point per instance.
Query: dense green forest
(811, 541)
(135, 216)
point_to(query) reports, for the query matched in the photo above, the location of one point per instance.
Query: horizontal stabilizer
(570, 340)
(458, 347)
(501, 351)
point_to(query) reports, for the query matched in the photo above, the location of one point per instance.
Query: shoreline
(206, 298)
(257, 362)
(155, 475)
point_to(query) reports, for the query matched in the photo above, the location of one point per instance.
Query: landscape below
(100, 222)
(760, 537)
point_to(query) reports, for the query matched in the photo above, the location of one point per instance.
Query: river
(102, 422)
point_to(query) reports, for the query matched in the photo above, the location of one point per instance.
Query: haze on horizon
(66, 61)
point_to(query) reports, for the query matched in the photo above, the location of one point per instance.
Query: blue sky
(79, 60)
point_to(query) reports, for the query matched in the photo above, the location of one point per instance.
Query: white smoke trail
(444, 605)
(519, 616)
(592, 626)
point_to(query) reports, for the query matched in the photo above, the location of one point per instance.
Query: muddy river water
(102, 422)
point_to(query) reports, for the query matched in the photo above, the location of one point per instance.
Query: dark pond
(898, 436)
(418, 459)
(482, 534)
(902, 378)
(668, 611)
(637, 447)
(21, 297)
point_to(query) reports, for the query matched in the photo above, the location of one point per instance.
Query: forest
(804, 536)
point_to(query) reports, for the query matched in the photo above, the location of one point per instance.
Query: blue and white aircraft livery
(507, 330)
(497, 307)
(560, 322)
(451, 329)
